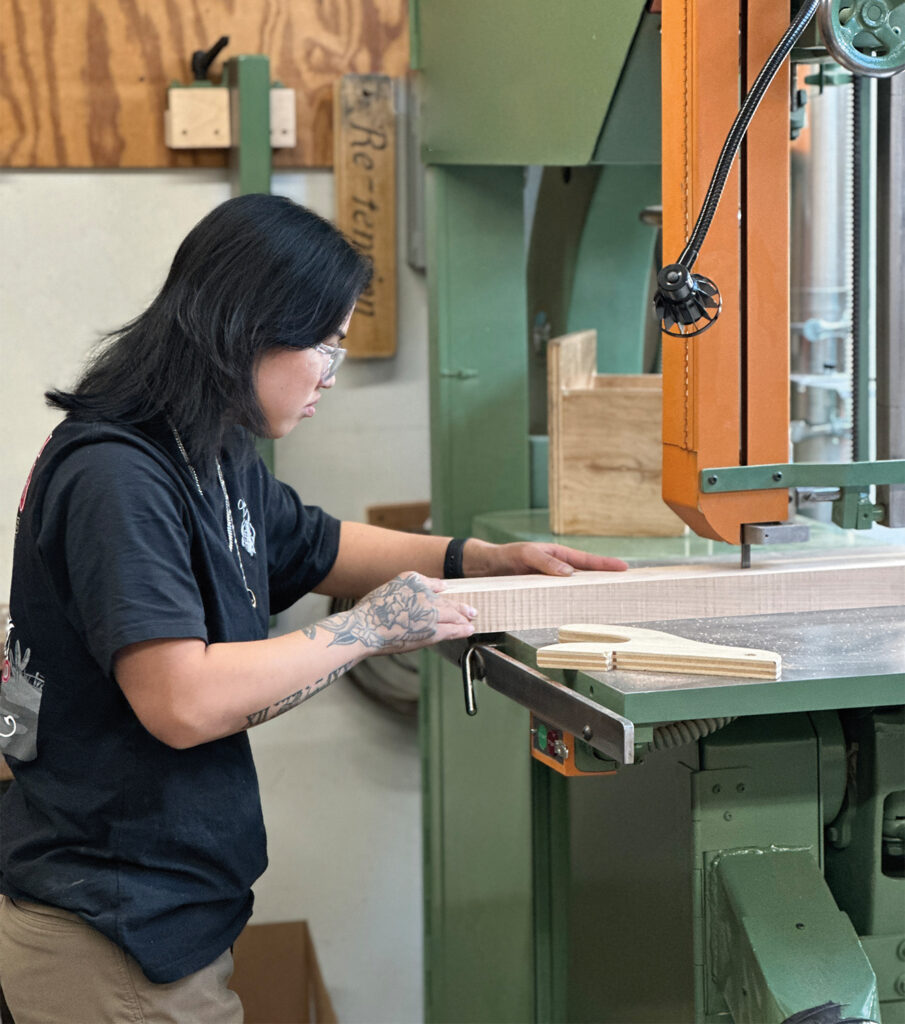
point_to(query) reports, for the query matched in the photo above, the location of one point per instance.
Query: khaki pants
(55, 969)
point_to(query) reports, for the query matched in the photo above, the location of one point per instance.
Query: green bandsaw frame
(515, 81)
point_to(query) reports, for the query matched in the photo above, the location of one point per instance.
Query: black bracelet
(452, 562)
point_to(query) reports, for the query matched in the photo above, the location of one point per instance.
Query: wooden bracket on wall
(197, 117)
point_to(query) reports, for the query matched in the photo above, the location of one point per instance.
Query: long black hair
(258, 272)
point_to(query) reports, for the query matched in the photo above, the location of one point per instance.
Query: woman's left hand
(483, 559)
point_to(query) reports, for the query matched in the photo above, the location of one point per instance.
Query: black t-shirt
(157, 848)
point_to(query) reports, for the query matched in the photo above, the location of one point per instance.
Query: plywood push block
(598, 648)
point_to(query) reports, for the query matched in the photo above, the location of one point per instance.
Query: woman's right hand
(404, 614)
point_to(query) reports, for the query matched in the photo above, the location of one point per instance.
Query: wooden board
(364, 165)
(605, 446)
(85, 84)
(507, 603)
(571, 364)
(600, 648)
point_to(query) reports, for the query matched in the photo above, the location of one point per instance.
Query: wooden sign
(364, 165)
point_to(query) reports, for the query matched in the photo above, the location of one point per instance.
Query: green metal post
(552, 885)
(248, 78)
(477, 771)
(476, 281)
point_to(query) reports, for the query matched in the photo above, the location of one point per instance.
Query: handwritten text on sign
(365, 170)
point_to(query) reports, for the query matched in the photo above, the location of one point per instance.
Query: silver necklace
(231, 537)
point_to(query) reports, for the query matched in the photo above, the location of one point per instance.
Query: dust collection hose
(677, 734)
(687, 304)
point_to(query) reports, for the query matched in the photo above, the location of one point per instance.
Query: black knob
(202, 59)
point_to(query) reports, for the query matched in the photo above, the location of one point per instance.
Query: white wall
(81, 253)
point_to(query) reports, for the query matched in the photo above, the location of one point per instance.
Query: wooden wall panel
(83, 82)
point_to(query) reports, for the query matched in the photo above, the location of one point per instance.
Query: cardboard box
(277, 976)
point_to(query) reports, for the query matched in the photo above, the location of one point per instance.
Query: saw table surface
(534, 525)
(832, 659)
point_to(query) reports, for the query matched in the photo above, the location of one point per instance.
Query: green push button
(542, 737)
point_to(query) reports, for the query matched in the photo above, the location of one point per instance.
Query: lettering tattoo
(293, 700)
(393, 616)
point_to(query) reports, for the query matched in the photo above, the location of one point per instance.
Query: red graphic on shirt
(7, 668)
(28, 481)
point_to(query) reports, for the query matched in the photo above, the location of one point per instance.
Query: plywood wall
(83, 82)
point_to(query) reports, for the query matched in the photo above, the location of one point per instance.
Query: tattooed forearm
(399, 615)
(294, 699)
(390, 617)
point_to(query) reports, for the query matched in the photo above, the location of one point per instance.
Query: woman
(152, 547)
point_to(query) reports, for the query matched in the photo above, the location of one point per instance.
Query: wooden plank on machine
(507, 603)
(364, 162)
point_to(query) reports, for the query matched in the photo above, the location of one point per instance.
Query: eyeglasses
(335, 355)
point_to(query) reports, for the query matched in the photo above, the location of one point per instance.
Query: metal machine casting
(628, 849)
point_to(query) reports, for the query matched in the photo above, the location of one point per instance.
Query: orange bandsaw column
(726, 392)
